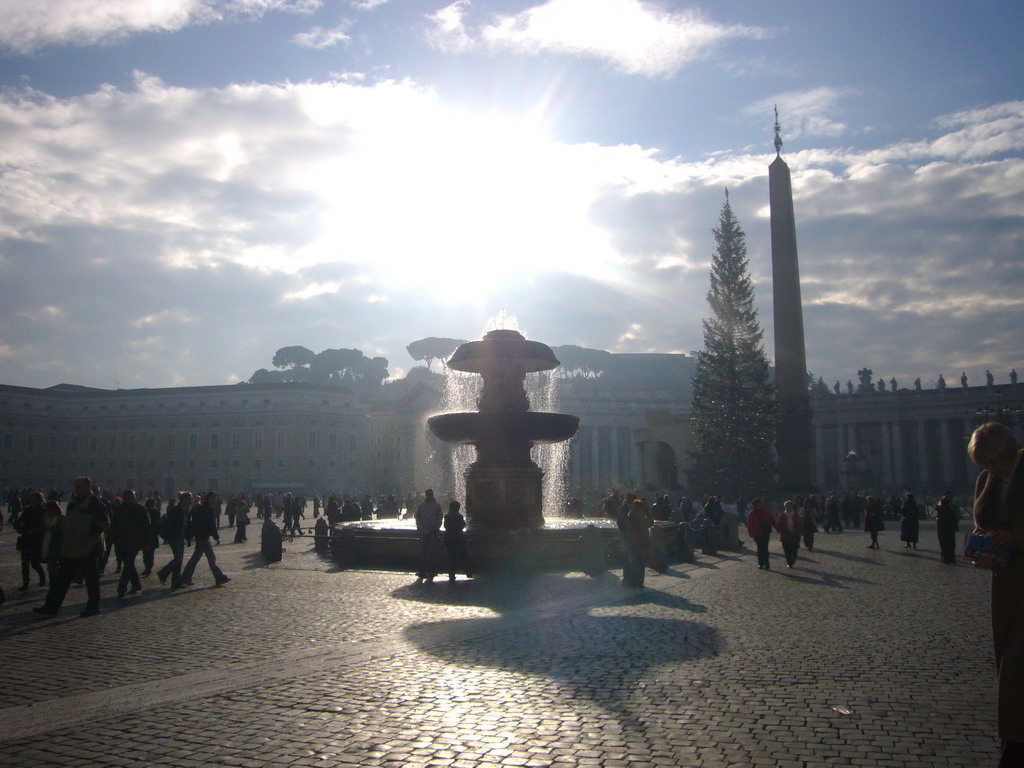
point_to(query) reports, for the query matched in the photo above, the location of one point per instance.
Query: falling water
(461, 392)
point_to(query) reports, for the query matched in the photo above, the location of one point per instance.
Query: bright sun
(462, 202)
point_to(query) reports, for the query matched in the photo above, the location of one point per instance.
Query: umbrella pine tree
(733, 407)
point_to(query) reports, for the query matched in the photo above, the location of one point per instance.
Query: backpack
(164, 528)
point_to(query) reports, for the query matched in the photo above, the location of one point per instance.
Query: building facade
(242, 437)
(913, 439)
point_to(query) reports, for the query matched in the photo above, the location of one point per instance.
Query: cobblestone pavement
(855, 657)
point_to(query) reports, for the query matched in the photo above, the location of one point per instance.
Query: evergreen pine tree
(733, 406)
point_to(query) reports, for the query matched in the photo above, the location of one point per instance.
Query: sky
(188, 185)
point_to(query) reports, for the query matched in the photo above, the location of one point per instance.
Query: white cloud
(366, 216)
(26, 25)
(637, 37)
(318, 37)
(805, 113)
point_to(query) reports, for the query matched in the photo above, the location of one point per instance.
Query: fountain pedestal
(504, 498)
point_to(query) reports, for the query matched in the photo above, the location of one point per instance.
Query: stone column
(922, 456)
(851, 437)
(887, 453)
(637, 461)
(899, 460)
(613, 454)
(947, 456)
(841, 447)
(595, 454)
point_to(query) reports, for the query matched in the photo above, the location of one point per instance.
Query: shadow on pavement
(576, 654)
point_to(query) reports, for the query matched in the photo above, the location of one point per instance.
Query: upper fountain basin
(501, 348)
(535, 426)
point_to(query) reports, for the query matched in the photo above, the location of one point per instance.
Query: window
(280, 440)
(94, 443)
(257, 441)
(74, 443)
(53, 442)
(151, 443)
(312, 441)
(214, 441)
(257, 463)
(332, 441)
(8, 441)
(191, 463)
(236, 441)
(193, 441)
(352, 445)
(131, 442)
(30, 442)
(170, 442)
(112, 443)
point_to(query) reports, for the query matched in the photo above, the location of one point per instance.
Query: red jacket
(757, 519)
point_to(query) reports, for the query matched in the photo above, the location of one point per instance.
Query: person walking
(429, 518)
(83, 525)
(149, 550)
(910, 525)
(171, 528)
(241, 520)
(30, 527)
(202, 527)
(947, 525)
(130, 531)
(810, 521)
(999, 515)
(759, 527)
(790, 526)
(873, 520)
(455, 541)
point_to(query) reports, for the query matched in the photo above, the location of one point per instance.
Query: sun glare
(463, 202)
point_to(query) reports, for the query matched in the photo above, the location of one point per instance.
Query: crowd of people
(74, 540)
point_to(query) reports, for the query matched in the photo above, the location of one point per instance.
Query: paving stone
(300, 665)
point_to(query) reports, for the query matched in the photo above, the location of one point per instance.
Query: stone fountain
(503, 505)
(503, 485)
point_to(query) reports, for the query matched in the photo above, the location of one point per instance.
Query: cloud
(636, 37)
(28, 26)
(160, 228)
(318, 37)
(805, 113)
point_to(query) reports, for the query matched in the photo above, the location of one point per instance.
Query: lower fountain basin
(534, 426)
(562, 545)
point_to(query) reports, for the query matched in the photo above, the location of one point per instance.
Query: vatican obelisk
(794, 438)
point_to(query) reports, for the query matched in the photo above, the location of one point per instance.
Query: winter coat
(760, 522)
(789, 532)
(203, 523)
(83, 525)
(1007, 514)
(130, 528)
(909, 525)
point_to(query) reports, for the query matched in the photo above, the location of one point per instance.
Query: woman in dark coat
(873, 520)
(30, 528)
(999, 514)
(909, 522)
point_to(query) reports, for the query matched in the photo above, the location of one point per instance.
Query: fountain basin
(503, 349)
(590, 546)
(534, 426)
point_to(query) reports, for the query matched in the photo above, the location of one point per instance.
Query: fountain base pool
(563, 545)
